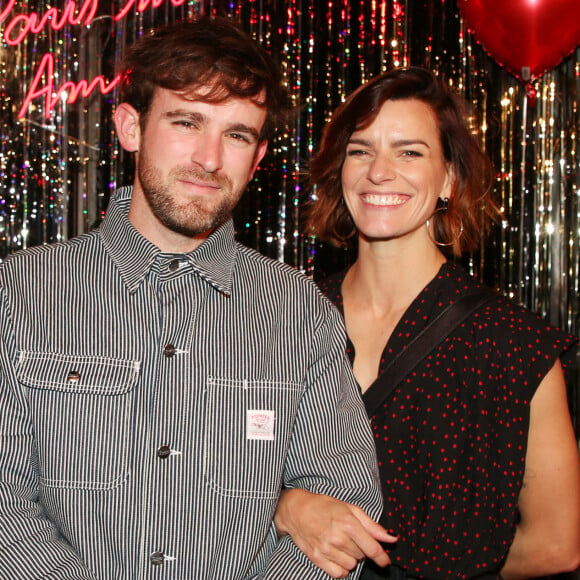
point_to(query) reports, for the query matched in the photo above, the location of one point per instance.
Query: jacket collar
(134, 255)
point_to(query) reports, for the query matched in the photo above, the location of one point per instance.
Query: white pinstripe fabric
(89, 393)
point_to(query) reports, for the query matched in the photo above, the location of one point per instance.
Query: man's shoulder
(64, 253)
(253, 261)
(261, 274)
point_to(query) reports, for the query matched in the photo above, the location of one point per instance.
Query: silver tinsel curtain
(60, 161)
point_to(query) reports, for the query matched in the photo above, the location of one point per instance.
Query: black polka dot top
(451, 442)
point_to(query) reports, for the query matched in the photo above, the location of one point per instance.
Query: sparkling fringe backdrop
(60, 161)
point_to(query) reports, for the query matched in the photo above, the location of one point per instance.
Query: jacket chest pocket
(81, 409)
(247, 434)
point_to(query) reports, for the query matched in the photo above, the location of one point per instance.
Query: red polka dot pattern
(451, 442)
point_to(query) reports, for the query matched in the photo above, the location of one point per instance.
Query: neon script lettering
(32, 23)
(46, 70)
(20, 26)
(23, 24)
(142, 5)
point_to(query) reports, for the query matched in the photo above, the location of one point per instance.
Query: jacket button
(169, 350)
(173, 265)
(73, 377)
(157, 558)
(163, 452)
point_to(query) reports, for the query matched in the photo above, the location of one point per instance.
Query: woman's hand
(333, 534)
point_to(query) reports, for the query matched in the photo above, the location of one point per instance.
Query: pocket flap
(76, 373)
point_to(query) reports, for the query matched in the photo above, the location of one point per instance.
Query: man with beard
(160, 383)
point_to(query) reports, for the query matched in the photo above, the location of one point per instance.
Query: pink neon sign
(19, 26)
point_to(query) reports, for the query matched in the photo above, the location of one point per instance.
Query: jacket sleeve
(332, 451)
(30, 544)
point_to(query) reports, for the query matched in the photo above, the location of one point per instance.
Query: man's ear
(128, 128)
(260, 152)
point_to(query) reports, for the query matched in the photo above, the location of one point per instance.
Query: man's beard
(194, 217)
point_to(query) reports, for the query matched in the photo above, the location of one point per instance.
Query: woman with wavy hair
(477, 455)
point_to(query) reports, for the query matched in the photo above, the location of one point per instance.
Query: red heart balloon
(527, 37)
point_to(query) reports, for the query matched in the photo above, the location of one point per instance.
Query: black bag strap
(432, 335)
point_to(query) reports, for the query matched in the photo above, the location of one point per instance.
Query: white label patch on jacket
(260, 424)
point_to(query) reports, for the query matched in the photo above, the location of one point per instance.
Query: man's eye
(186, 124)
(239, 137)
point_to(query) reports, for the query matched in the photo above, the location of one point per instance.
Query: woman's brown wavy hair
(470, 208)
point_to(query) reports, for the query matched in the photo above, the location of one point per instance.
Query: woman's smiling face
(394, 171)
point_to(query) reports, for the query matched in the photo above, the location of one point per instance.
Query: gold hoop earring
(444, 207)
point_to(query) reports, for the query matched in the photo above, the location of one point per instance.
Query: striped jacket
(153, 405)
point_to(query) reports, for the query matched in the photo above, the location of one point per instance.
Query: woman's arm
(333, 534)
(547, 539)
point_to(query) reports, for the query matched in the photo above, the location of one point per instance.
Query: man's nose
(208, 152)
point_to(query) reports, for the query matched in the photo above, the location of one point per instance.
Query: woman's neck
(377, 290)
(388, 276)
